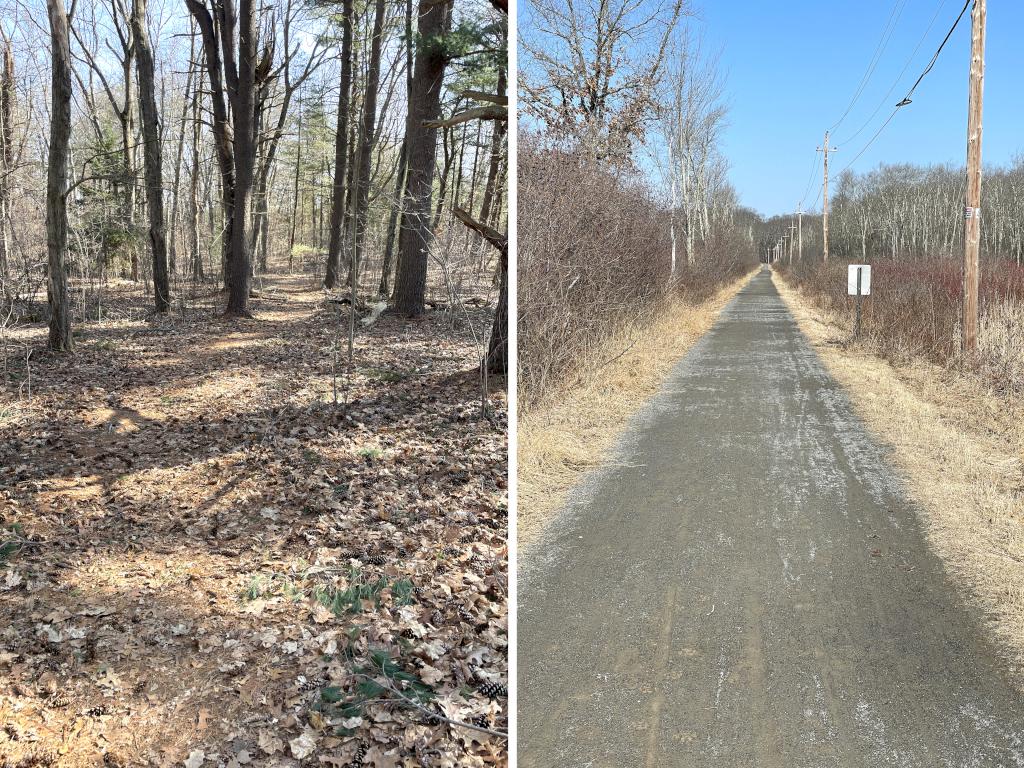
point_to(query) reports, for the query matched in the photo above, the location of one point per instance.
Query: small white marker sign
(858, 280)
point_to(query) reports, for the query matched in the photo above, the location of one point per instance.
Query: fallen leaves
(193, 548)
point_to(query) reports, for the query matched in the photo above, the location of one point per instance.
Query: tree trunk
(341, 150)
(367, 139)
(244, 114)
(152, 156)
(497, 139)
(396, 208)
(6, 156)
(57, 179)
(497, 348)
(401, 179)
(424, 105)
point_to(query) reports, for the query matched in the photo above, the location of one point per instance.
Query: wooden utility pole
(972, 207)
(800, 233)
(824, 217)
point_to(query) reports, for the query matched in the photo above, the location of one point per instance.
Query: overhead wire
(890, 27)
(906, 99)
(810, 180)
(899, 77)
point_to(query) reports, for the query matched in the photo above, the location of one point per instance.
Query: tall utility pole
(792, 226)
(972, 207)
(824, 218)
(800, 233)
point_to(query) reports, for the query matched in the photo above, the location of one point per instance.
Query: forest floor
(205, 561)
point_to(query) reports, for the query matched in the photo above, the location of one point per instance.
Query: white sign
(858, 280)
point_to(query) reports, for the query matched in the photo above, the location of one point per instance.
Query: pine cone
(494, 690)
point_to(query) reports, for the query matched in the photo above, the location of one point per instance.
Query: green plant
(391, 375)
(381, 678)
(7, 549)
(350, 599)
(370, 453)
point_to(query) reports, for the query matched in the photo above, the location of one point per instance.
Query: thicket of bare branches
(905, 211)
(914, 312)
(601, 242)
(594, 249)
(591, 69)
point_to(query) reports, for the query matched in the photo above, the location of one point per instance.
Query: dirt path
(747, 586)
(214, 557)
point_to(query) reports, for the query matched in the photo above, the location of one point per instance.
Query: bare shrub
(593, 256)
(914, 312)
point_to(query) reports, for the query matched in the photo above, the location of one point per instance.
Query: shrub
(914, 312)
(594, 255)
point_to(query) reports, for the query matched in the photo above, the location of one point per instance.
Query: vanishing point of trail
(747, 585)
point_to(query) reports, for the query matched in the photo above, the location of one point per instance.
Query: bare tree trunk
(497, 348)
(497, 139)
(295, 190)
(401, 178)
(341, 149)
(172, 254)
(243, 111)
(60, 338)
(196, 254)
(396, 208)
(152, 156)
(367, 138)
(222, 131)
(424, 105)
(6, 156)
(242, 68)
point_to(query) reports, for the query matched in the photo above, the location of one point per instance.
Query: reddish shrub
(914, 308)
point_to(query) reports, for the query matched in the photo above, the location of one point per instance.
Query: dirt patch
(960, 447)
(562, 438)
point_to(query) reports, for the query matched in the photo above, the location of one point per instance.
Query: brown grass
(571, 432)
(960, 448)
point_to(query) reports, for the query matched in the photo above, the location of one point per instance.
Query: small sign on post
(858, 283)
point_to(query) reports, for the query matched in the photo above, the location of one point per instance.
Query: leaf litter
(207, 563)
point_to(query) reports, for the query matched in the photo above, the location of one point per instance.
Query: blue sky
(793, 67)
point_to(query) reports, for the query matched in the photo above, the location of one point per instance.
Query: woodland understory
(208, 560)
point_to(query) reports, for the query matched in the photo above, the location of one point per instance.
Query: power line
(906, 99)
(810, 179)
(899, 77)
(890, 27)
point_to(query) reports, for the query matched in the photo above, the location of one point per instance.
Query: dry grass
(565, 435)
(960, 447)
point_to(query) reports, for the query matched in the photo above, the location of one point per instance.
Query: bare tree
(421, 145)
(60, 338)
(367, 136)
(6, 153)
(341, 149)
(692, 121)
(587, 82)
(235, 67)
(152, 156)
